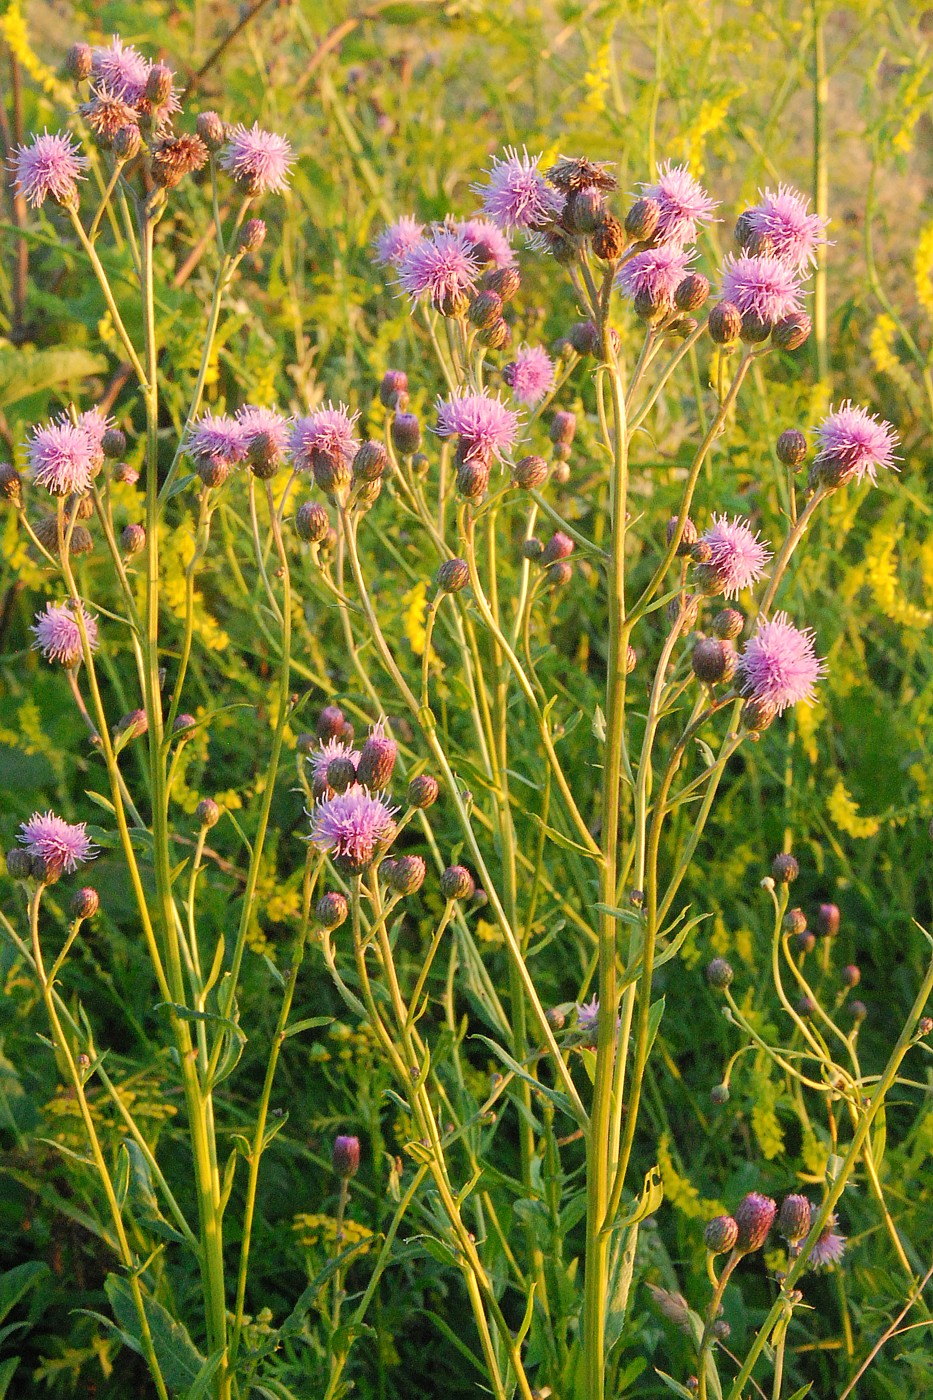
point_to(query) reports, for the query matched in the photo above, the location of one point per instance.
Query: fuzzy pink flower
(516, 194)
(779, 665)
(683, 202)
(121, 69)
(764, 287)
(530, 376)
(218, 438)
(277, 428)
(487, 242)
(95, 424)
(738, 556)
(856, 443)
(354, 827)
(49, 165)
(63, 845)
(783, 217)
(62, 458)
(829, 1247)
(325, 435)
(654, 274)
(58, 635)
(258, 160)
(321, 758)
(485, 427)
(441, 266)
(588, 1015)
(397, 239)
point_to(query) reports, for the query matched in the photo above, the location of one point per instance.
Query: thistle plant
(696, 659)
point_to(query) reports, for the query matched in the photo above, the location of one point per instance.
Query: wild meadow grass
(466, 589)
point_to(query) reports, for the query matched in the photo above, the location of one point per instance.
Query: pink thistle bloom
(654, 274)
(58, 635)
(683, 202)
(488, 243)
(63, 458)
(50, 165)
(275, 425)
(764, 287)
(95, 424)
(795, 234)
(738, 557)
(354, 827)
(442, 265)
(779, 665)
(216, 437)
(588, 1015)
(122, 69)
(829, 1248)
(258, 160)
(325, 753)
(485, 426)
(516, 195)
(397, 239)
(856, 441)
(530, 376)
(63, 845)
(327, 434)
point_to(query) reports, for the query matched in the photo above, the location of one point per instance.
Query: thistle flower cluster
(747, 1229)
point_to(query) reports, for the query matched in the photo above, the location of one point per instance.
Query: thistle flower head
(396, 239)
(856, 442)
(779, 665)
(516, 194)
(738, 557)
(588, 1015)
(258, 160)
(754, 1216)
(441, 266)
(683, 203)
(485, 426)
(654, 274)
(784, 218)
(95, 424)
(486, 241)
(354, 827)
(58, 635)
(121, 69)
(48, 165)
(62, 845)
(829, 1248)
(765, 287)
(268, 421)
(326, 435)
(216, 438)
(107, 112)
(322, 757)
(530, 376)
(62, 457)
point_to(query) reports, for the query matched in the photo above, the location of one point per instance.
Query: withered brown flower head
(106, 114)
(176, 158)
(573, 173)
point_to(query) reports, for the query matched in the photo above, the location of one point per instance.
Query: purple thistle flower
(50, 165)
(275, 425)
(63, 845)
(485, 426)
(216, 438)
(258, 160)
(95, 424)
(121, 69)
(63, 458)
(764, 287)
(829, 1247)
(683, 202)
(779, 665)
(783, 217)
(488, 243)
(655, 274)
(738, 557)
(856, 442)
(442, 265)
(58, 635)
(588, 1015)
(516, 195)
(321, 758)
(354, 827)
(530, 376)
(326, 435)
(397, 239)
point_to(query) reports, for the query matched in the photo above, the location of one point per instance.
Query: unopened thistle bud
(330, 723)
(806, 1006)
(795, 921)
(724, 323)
(559, 573)
(631, 660)
(858, 1011)
(683, 611)
(407, 874)
(18, 864)
(827, 920)
(113, 443)
(11, 483)
(211, 129)
(341, 773)
(134, 725)
(331, 910)
(609, 239)
(504, 281)
(252, 236)
(641, 221)
(453, 575)
(803, 942)
(652, 306)
(691, 292)
(532, 549)
(345, 1157)
(126, 474)
(755, 329)
(212, 471)
(530, 472)
(133, 539)
(370, 461)
(183, 724)
(754, 1217)
(312, 522)
(721, 1234)
(79, 62)
(728, 624)
(457, 883)
(496, 336)
(719, 974)
(207, 812)
(394, 383)
(472, 479)
(84, 903)
(555, 1018)
(713, 661)
(791, 447)
(688, 538)
(423, 791)
(559, 546)
(406, 433)
(563, 427)
(377, 762)
(583, 211)
(851, 976)
(485, 309)
(792, 331)
(758, 714)
(158, 88)
(793, 1222)
(785, 869)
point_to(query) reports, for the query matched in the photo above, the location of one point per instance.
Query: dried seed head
(423, 791)
(177, 157)
(573, 173)
(609, 239)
